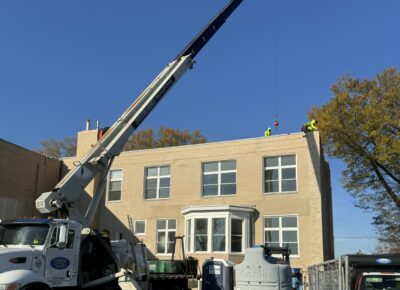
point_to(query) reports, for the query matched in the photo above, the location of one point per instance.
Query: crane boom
(99, 158)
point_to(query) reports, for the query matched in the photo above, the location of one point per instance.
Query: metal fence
(330, 275)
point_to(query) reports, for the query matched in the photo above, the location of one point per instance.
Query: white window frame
(166, 231)
(109, 183)
(281, 229)
(190, 247)
(145, 227)
(157, 177)
(213, 233)
(207, 234)
(279, 167)
(219, 172)
(189, 224)
(230, 237)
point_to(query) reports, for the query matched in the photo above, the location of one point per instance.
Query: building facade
(222, 197)
(24, 175)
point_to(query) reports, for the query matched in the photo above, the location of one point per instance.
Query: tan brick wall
(24, 175)
(86, 140)
(311, 203)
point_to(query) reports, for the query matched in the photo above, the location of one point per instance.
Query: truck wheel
(36, 286)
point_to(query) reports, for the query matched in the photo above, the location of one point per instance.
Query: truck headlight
(11, 286)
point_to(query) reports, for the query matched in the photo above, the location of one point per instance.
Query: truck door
(62, 263)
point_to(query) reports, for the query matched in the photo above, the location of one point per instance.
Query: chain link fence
(330, 275)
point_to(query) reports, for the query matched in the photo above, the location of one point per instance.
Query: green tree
(361, 126)
(58, 148)
(165, 137)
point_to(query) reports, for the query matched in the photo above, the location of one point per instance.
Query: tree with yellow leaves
(361, 126)
(165, 137)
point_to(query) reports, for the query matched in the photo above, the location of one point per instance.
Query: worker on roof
(268, 132)
(310, 126)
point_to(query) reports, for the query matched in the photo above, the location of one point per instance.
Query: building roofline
(217, 142)
(28, 150)
(271, 138)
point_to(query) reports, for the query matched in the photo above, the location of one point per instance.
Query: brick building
(24, 175)
(222, 196)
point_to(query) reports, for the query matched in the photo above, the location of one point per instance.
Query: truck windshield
(373, 282)
(23, 234)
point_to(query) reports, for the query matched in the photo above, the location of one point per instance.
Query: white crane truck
(64, 252)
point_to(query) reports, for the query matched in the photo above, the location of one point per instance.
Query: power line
(360, 237)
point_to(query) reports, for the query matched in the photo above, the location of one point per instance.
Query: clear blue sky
(62, 62)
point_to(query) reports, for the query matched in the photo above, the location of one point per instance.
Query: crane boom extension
(99, 158)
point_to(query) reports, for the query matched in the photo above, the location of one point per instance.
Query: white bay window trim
(210, 213)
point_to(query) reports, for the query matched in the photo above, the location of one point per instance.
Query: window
(157, 182)
(19, 234)
(280, 173)
(200, 235)
(189, 235)
(166, 230)
(115, 185)
(70, 238)
(218, 235)
(217, 232)
(237, 233)
(219, 178)
(281, 231)
(140, 227)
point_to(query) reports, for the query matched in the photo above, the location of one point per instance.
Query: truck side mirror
(62, 237)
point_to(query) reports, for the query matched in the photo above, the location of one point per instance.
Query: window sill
(291, 256)
(156, 199)
(280, 193)
(214, 196)
(218, 253)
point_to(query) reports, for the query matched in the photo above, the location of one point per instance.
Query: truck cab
(39, 252)
(378, 280)
(51, 253)
(374, 271)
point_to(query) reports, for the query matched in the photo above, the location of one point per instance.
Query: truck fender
(23, 277)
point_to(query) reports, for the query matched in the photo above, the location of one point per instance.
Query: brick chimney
(86, 140)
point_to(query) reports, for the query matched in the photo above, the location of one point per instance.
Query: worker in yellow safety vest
(268, 132)
(310, 126)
